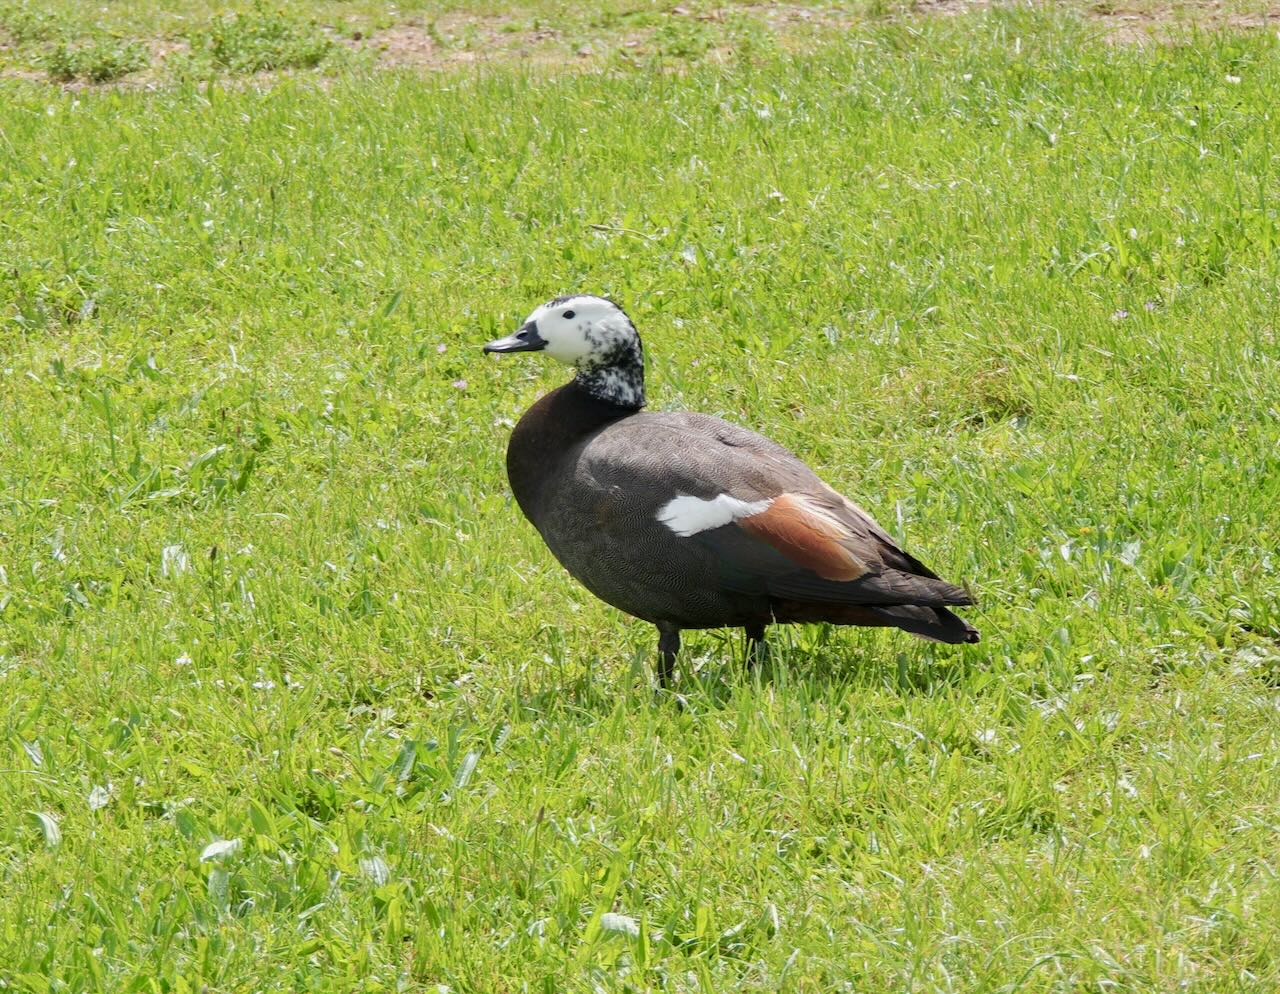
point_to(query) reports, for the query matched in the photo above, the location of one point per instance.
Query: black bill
(526, 339)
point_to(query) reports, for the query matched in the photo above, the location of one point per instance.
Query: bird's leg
(668, 646)
(757, 647)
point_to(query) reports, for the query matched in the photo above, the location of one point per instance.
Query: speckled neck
(615, 377)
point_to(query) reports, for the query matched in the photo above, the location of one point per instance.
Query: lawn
(292, 698)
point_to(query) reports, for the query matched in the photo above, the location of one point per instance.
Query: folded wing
(820, 548)
(767, 521)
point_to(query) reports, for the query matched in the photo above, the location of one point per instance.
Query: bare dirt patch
(950, 8)
(461, 38)
(1148, 22)
(580, 42)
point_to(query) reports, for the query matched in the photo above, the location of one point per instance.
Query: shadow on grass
(815, 662)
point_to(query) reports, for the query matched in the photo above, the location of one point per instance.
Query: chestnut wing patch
(808, 536)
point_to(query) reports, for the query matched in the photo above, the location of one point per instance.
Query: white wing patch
(689, 515)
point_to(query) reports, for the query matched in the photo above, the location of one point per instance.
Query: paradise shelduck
(687, 521)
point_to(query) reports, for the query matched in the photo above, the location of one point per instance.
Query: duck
(687, 521)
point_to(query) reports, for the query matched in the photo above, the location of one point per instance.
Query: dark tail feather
(936, 624)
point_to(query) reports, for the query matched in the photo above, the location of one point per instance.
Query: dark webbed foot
(757, 647)
(668, 647)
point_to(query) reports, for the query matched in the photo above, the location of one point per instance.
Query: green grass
(292, 698)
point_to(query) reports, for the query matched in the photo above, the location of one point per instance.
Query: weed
(261, 39)
(683, 38)
(25, 23)
(98, 59)
(750, 38)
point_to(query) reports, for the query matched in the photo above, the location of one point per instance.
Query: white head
(593, 335)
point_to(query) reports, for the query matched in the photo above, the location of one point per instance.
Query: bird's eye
(567, 315)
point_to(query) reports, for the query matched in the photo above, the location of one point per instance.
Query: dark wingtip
(948, 627)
